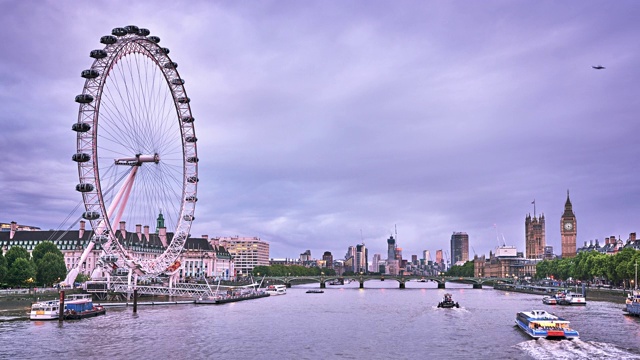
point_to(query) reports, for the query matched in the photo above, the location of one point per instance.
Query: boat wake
(574, 349)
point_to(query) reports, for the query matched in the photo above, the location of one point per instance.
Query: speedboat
(541, 324)
(276, 290)
(447, 302)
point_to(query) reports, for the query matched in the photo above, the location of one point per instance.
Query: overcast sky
(323, 124)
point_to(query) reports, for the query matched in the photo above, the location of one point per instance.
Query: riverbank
(592, 294)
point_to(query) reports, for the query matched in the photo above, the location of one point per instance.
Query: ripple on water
(574, 349)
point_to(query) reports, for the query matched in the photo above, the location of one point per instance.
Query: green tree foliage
(3, 268)
(465, 270)
(20, 272)
(43, 248)
(16, 252)
(50, 269)
(593, 265)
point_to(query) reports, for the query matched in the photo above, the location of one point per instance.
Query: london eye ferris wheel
(136, 149)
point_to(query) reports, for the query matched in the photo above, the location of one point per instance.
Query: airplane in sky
(599, 67)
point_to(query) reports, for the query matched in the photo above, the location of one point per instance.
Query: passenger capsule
(192, 179)
(84, 187)
(184, 100)
(84, 98)
(191, 139)
(90, 215)
(177, 82)
(81, 157)
(132, 29)
(109, 259)
(154, 39)
(119, 31)
(144, 32)
(108, 39)
(165, 51)
(98, 54)
(90, 74)
(192, 159)
(171, 65)
(191, 199)
(188, 119)
(81, 127)
(100, 239)
(188, 217)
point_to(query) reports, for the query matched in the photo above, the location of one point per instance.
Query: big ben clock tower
(568, 230)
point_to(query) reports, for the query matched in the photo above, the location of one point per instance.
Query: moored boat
(549, 300)
(569, 298)
(79, 306)
(541, 324)
(315, 291)
(276, 290)
(447, 302)
(632, 306)
(45, 310)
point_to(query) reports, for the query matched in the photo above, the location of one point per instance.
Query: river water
(379, 322)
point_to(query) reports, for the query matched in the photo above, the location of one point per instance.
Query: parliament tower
(568, 230)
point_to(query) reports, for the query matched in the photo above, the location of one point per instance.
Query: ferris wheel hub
(138, 160)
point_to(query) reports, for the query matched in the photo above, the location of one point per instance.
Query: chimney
(162, 234)
(597, 243)
(206, 237)
(82, 228)
(123, 229)
(146, 232)
(14, 227)
(139, 232)
(632, 236)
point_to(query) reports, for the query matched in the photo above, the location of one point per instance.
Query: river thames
(379, 322)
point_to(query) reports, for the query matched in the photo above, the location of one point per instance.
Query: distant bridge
(401, 279)
(122, 285)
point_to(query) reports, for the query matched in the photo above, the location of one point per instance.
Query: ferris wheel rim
(124, 42)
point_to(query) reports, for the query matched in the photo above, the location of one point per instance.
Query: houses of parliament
(535, 240)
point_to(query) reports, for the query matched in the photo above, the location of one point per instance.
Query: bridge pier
(361, 284)
(323, 285)
(441, 286)
(477, 286)
(288, 284)
(402, 285)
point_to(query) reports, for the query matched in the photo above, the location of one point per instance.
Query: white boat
(570, 298)
(541, 324)
(276, 290)
(45, 310)
(549, 300)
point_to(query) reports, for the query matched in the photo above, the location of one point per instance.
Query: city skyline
(323, 124)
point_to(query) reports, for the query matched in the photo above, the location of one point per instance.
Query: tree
(20, 272)
(465, 270)
(50, 269)
(43, 248)
(3, 268)
(15, 253)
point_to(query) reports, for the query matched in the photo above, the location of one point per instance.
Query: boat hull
(98, 310)
(230, 299)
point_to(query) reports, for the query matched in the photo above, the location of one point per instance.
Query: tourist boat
(276, 290)
(45, 310)
(79, 306)
(549, 300)
(570, 298)
(632, 306)
(315, 291)
(541, 324)
(447, 302)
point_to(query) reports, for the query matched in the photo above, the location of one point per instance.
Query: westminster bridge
(401, 279)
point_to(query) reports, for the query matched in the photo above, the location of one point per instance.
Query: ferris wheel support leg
(73, 273)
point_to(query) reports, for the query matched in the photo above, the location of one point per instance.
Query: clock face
(568, 226)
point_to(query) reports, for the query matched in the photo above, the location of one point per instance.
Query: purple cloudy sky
(323, 124)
